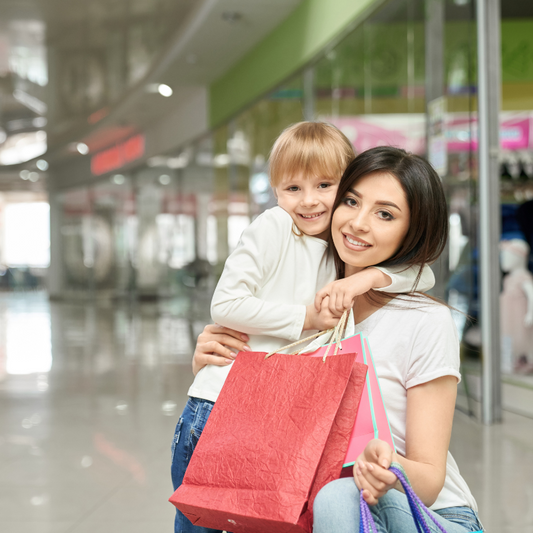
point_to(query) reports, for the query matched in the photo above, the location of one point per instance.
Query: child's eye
(324, 185)
(293, 188)
(385, 215)
(350, 201)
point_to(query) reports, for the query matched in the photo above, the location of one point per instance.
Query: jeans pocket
(463, 516)
(199, 422)
(176, 438)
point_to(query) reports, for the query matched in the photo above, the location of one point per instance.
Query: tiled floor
(89, 397)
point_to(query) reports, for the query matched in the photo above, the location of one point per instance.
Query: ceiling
(86, 68)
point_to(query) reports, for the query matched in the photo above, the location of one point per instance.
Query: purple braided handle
(367, 524)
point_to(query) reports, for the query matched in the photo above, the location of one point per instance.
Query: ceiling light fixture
(164, 90)
(82, 148)
(24, 174)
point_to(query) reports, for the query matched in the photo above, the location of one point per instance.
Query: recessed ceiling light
(118, 179)
(164, 179)
(34, 176)
(82, 148)
(164, 90)
(24, 174)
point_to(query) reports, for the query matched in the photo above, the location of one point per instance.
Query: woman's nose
(360, 222)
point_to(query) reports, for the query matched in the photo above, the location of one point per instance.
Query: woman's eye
(352, 202)
(385, 215)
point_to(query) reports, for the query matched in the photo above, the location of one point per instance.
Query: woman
(390, 210)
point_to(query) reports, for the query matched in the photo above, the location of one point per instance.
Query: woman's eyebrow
(379, 202)
(390, 204)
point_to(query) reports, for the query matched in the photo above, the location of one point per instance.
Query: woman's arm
(430, 408)
(214, 347)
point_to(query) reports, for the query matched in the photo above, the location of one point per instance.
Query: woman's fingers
(373, 481)
(216, 329)
(226, 340)
(217, 345)
(369, 493)
(215, 360)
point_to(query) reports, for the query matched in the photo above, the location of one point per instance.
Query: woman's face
(371, 221)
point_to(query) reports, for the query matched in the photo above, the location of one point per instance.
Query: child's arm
(391, 279)
(404, 279)
(247, 270)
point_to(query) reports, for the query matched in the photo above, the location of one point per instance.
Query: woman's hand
(371, 471)
(217, 345)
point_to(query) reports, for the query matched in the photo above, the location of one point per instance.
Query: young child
(269, 283)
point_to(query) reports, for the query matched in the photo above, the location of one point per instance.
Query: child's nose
(309, 199)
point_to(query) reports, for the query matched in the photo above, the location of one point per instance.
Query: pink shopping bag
(371, 421)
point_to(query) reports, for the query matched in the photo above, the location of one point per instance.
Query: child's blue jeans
(188, 431)
(336, 510)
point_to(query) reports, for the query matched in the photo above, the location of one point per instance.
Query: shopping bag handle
(336, 336)
(418, 509)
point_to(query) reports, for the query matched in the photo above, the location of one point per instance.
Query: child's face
(309, 201)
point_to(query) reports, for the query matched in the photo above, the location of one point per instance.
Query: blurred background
(134, 143)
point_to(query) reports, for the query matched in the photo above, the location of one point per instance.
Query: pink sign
(462, 134)
(407, 131)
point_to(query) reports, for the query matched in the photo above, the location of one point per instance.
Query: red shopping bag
(277, 434)
(371, 421)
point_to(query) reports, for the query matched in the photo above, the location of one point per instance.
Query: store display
(516, 308)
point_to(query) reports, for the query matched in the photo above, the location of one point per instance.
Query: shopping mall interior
(134, 146)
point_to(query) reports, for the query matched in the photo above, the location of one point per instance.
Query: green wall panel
(316, 22)
(310, 27)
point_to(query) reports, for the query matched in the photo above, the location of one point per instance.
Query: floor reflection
(89, 397)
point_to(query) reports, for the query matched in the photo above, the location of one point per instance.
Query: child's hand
(322, 318)
(371, 471)
(343, 291)
(217, 345)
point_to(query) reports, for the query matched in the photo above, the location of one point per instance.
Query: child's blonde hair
(311, 148)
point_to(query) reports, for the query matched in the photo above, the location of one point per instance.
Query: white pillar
(489, 103)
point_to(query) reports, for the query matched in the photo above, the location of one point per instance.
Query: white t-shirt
(412, 344)
(268, 281)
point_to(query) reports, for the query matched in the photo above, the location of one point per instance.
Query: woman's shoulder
(420, 311)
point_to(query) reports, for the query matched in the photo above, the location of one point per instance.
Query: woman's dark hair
(428, 227)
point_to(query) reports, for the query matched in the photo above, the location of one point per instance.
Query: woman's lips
(355, 243)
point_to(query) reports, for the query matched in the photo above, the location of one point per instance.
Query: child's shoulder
(274, 219)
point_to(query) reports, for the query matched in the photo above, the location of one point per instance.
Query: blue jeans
(336, 510)
(188, 431)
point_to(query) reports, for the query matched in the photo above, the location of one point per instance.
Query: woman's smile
(355, 243)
